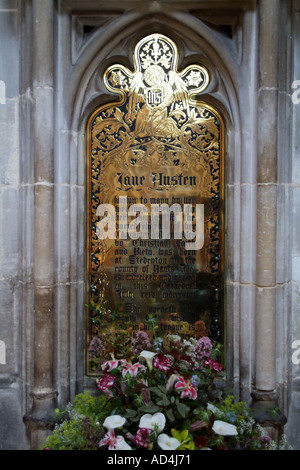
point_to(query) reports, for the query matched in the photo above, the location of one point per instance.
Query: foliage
(78, 427)
(155, 392)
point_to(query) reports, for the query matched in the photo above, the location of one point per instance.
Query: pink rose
(105, 383)
(141, 436)
(162, 363)
(216, 366)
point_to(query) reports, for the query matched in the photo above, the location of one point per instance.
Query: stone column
(264, 393)
(43, 393)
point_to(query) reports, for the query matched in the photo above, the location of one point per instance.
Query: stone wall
(293, 430)
(53, 54)
(12, 256)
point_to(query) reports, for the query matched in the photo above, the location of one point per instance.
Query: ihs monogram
(155, 81)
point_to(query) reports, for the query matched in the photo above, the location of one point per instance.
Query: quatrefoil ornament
(155, 82)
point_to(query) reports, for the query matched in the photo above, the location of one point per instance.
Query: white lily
(148, 356)
(114, 421)
(114, 442)
(224, 429)
(150, 421)
(121, 444)
(212, 408)
(167, 443)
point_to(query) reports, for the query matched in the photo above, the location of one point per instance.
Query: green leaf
(157, 391)
(130, 413)
(176, 434)
(184, 434)
(183, 409)
(150, 408)
(164, 401)
(170, 415)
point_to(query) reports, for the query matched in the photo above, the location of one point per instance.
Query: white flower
(114, 421)
(150, 421)
(148, 356)
(167, 443)
(212, 408)
(171, 381)
(224, 429)
(121, 444)
(174, 338)
(114, 442)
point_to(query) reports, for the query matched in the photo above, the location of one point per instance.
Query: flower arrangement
(155, 392)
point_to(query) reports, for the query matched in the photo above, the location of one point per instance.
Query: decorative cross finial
(155, 81)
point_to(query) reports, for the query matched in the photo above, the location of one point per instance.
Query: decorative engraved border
(89, 157)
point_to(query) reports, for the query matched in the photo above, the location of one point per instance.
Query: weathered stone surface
(9, 39)
(7, 327)
(268, 56)
(292, 428)
(44, 254)
(43, 132)
(12, 430)
(267, 136)
(296, 217)
(44, 103)
(9, 147)
(266, 235)
(293, 432)
(9, 235)
(265, 338)
(248, 233)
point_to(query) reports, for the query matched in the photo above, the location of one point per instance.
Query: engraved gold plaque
(157, 145)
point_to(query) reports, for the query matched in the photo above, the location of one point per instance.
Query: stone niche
(68, 58)
(233, 42)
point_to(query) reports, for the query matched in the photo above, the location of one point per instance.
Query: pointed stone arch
(232, 91)
(225, 94)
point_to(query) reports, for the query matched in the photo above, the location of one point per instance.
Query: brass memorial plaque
(155, 195)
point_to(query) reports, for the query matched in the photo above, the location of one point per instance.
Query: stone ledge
(266, 411)
(42, 410)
